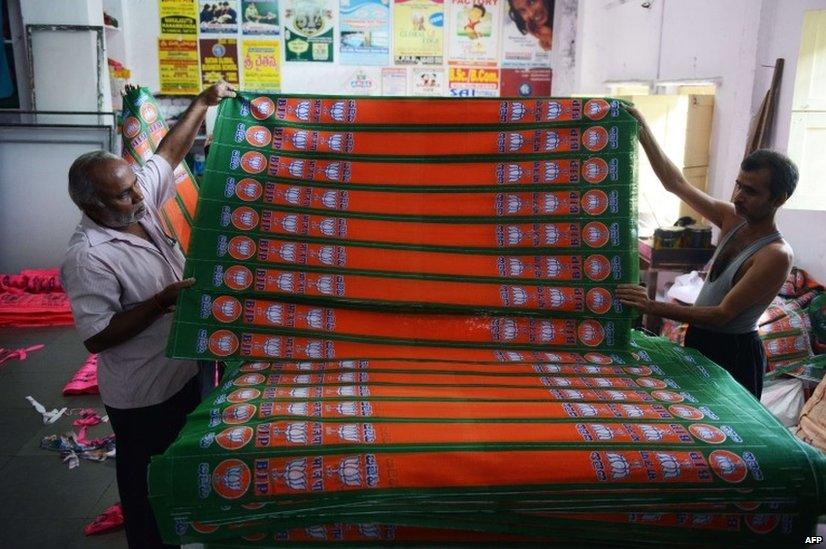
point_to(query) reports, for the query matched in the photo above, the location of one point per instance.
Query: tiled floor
(43, 503)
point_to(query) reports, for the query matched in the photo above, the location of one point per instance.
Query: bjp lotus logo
(301, 139)
(223, 343)
(686, 412)
(599, 300)
(349, 471)
(226, 309)
(234, 438)
(244, 218)
(253, 162)
(131, 127)
(243, 395)
(594, 170)
(594, 202)
(618, 466)
(241, 247)
(236, 414)
(518, 110)
(707, 433)
(667, 396)
(728, 466)
(148, 112)
(551, 141)
(554, 110)
(231, 478)
(248, 190)
(258, 136)
(595, 138)
(249, 380)
(238, 277)
(295, 474)
(596, 109)
(262, 108)
(669, 465)
(590, 333)
(598, 358)
(302, 111)
(595, 234)
(597, 267)
(272, 346)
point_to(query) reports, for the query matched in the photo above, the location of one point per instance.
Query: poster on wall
(259, 17)
(219, 59)
(218, 17)
(473, 28)
(178, 17)
(394, 81)
(308, 30)
(527, 33)
(180, 72)
(534, 82)
(473, 82)
(260, 66)
(418, 31)
(363, 82)
(365, 32)
(428, 82)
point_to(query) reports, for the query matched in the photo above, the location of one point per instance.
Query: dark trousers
(139, 434)
(742, 355)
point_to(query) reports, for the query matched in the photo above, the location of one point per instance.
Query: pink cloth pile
(34, 298)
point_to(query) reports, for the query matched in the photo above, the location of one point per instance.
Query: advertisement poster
(473, 82)
(527, 33)
(180, 72)
(218, 17)
(365, 32)
(526, 82)
(178, 17)
(394, 81)
(308, 30)
(428, 82)
(418, 31)
(363, 82)
(260, 17)
(260, 65)
(219, 59)
(473, 29)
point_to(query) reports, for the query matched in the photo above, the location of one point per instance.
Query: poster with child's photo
(474, 27)
(260, 17)
(218, 17)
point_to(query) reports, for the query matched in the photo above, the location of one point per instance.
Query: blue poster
(365, 32)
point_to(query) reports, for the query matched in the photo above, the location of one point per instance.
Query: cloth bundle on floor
(429, 285)
(32, 298)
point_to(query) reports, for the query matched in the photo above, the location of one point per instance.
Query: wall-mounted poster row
(456, 47)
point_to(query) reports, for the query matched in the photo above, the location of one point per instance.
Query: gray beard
(121, 221)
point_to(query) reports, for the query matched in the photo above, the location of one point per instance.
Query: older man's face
(118, 190)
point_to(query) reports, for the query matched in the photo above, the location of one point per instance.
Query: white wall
(781, 38)
(733, 43)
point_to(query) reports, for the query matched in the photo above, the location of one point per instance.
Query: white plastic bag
(784, 399)
(686, 288)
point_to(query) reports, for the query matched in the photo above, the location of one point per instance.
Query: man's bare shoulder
(779, 252)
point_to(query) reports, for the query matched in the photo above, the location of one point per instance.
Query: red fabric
(111, 519)
(85, 380)
(34, 298)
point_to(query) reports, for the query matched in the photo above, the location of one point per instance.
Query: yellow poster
(418, 28)
(178, 17)
(179, 67)
(260, 65)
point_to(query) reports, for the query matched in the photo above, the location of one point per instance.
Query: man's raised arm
(716, 211)
(174, 146)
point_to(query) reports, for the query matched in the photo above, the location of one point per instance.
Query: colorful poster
(308, 30)
(260, 65)
(363, 81)
(218, 17)
(365, 32)
(534, 82)
(418, 29)
(260, 17)
(394, 81)
(527, 33)
(428, 82)
(178, 17)
(219, 59)
(473, 82)
(473, 29)
(179, 69)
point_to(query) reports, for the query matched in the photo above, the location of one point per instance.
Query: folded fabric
(85, 380)
(109, 520)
